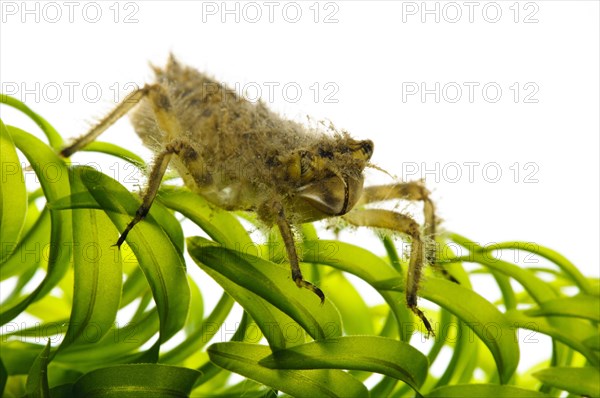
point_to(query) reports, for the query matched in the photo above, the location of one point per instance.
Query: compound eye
(299, 166)
(362, 150)
(306, 165)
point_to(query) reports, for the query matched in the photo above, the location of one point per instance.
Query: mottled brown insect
(241, 156)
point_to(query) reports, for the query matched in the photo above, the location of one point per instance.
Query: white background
(369, 53)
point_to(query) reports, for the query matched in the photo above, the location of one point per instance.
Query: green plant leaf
(37, 237)
(220, 225)
(137, 380)
(568, 268)
(55, 140)
(580, 381)
(37, 380)
(162, 264)
(98, 273)
(365, 265)
(121, 345)
(574, 335)
(114, 150)
(3, 376)
(580, 306)
(53, 176)
(369, 353)
(355, 314)
(202, 335)
(481, 316)
(483, 390)
(13, 195)
(593, 342)
(265, 290)
(244, 359)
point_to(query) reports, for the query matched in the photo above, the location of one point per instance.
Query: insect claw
(124, 234)
(319, 293)
(120, 240)
(421, 315)
(307, 285)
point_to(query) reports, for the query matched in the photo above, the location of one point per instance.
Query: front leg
(288, 240)
(171, 140)
(391, 220)
(412, 191)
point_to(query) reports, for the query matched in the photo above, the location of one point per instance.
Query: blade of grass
(580, 381)
(483, 390)
(37, 237)
(561, 261)
(263, 289)
(580, 306)
(202, 335)
(369, 353)
(42, 160)
(365, 265)
(37, 379)
(244, 358)
(490, 325)
(162, 264)
(98, 273)
(139, 380)
(55, 140)
(13, 196)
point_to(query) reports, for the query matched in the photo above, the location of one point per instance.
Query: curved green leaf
(561, 261)
(13, 195)
(593, 342)
(55, 140)
(262, 287)
(220, 225)
(580, 381)
(462, 354)
(202, 335)
(481, 316)
(574, 336)
(98, 273)
(37, 380)
(138, 380)
(162, 264)
(121, 345)
(355, 314)
(580, 306)
(244, 359)
(483, 390)
(3, 376)
(114, 150)
(53, 176)
(37, 237)
(365, 265)
(369, 353)
(85, 200)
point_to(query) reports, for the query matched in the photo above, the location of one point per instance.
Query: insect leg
(414, 191)
(288, 239)
(379, 218)
(125, 106)
(166, 122)
(161, 162)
